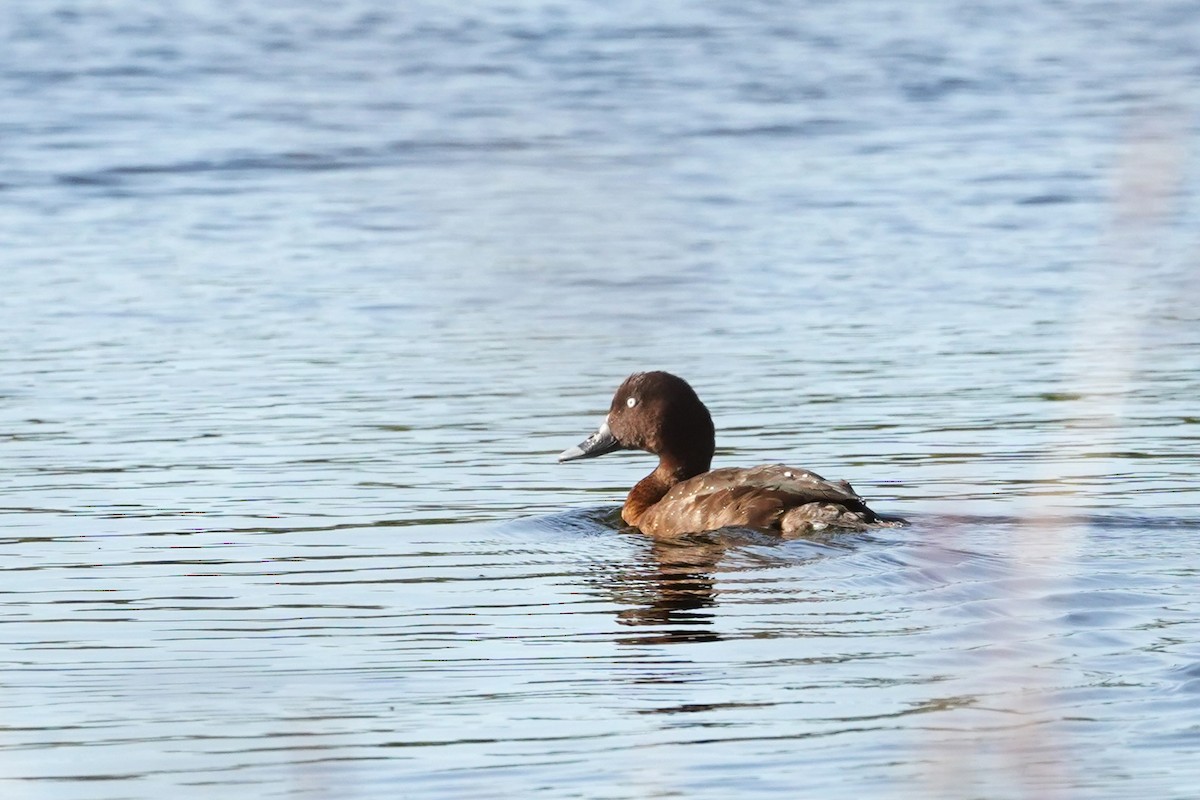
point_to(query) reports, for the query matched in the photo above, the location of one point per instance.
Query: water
(299, 305)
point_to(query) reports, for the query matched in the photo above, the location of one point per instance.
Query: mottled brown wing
(802, 485)
(756, 497)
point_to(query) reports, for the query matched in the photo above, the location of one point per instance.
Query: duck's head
(656, 412)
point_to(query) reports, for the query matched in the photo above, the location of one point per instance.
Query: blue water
(298, 305)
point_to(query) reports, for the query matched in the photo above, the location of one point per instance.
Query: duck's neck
(650, 489)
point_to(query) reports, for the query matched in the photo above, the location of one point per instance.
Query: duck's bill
(599, 443)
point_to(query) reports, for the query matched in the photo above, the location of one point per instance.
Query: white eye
(631, 402)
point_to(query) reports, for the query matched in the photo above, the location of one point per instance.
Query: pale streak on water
(298, 305)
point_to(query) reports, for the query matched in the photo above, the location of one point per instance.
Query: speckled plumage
(773, 496)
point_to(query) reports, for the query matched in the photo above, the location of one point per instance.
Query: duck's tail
(820, 516)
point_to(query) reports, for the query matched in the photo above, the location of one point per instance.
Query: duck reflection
(669, 587)
(672, 589)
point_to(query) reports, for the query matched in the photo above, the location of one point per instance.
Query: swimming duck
(660, 413)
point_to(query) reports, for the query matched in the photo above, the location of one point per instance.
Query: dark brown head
(659, 413)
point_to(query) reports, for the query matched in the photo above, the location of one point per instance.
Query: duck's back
(772, 496)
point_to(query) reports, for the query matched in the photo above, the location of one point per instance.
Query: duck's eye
(631, 402)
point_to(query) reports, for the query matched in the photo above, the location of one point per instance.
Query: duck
(661, 414)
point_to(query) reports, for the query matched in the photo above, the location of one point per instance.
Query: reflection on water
(672, 589)
(299, 303)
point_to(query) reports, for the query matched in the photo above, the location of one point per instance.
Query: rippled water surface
(298, 305)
